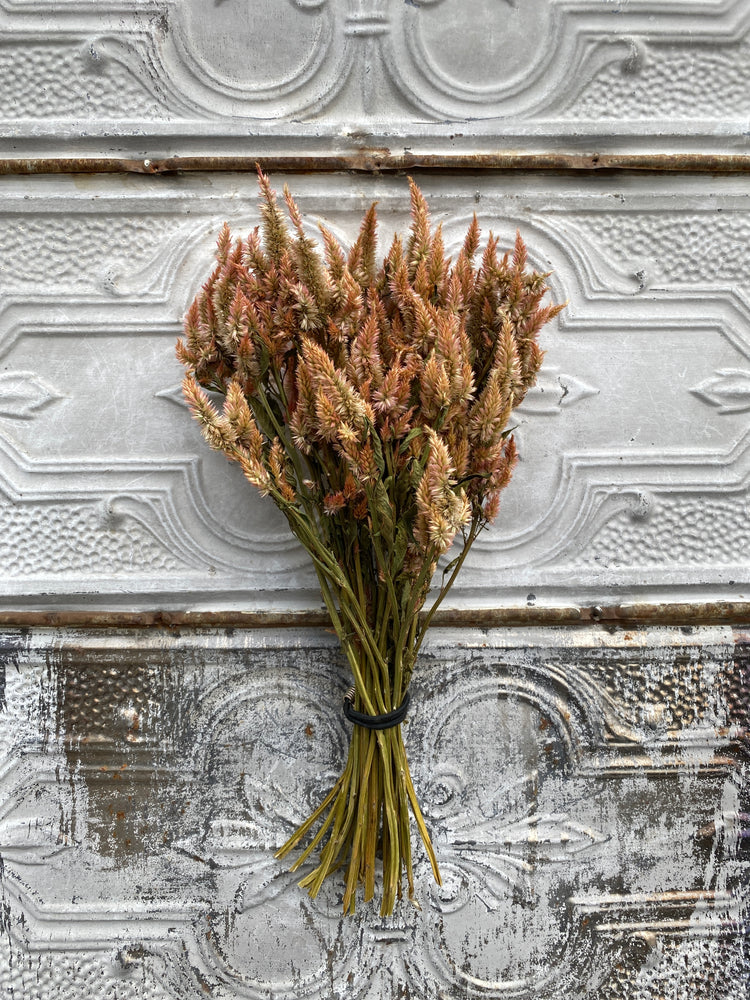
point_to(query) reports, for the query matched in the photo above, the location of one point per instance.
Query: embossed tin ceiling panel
(156, 77)
(586, 789)
(587, 796)
(633, 478)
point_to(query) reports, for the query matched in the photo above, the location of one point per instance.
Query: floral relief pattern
(567, 828)
(614, 442)
(427, 61)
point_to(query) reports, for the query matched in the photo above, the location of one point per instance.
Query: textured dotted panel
(101, 700)
(77, 252)
(684, 970)
(70, 976)
(63, 81)
(680, 249)
(19, 699)
(60, 539)
(668, 82)
(735, 689)
(673, 692)
(691, 531)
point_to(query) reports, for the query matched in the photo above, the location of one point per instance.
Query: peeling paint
(582, 839)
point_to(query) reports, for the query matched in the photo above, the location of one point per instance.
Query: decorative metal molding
(630, 488)
(163, 76)
(728, 389)
(23, 393)
(368, 160)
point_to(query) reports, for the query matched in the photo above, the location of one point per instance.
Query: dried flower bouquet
(371, 404)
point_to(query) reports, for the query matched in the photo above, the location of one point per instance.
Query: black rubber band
(385, 721)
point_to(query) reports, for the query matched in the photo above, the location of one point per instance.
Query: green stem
(468, 542)
(300, 832)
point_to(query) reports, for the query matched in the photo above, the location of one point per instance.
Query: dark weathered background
(171, 701)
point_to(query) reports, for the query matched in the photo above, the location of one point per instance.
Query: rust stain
(101, 699)
(735, 613)
(377, 160)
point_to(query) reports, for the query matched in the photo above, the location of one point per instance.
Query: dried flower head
(338, 361)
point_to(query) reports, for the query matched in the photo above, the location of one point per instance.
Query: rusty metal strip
(384, 161)
(706, 613)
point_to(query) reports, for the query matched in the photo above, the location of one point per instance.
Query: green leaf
(399, 549)
(413, 433)
(384, 512)
(451, 565)
(474, 475)
(377, 449)
(264, 358)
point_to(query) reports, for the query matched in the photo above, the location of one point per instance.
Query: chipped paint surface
(587, 792)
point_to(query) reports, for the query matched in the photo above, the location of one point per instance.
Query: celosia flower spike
(361, 260)
(223, 244)
(274, 228)
(215, 428)
(519, 253)
(418, 247)
(437, 268)
(309, 265)
(471, 242)
(237, 412)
